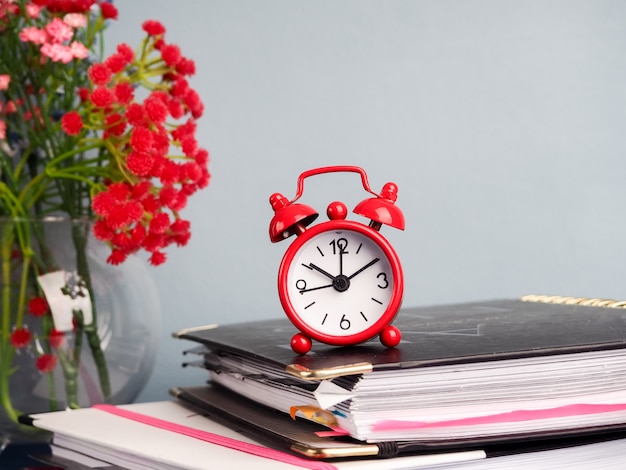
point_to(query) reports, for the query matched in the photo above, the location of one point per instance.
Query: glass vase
(74, 330)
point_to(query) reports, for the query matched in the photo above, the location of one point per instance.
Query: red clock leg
(301, 344)
(390, 336)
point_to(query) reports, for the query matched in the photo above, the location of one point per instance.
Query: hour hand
(317, 268)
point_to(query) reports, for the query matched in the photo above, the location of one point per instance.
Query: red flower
(193, 102)
(138, 235)
(123, 214)
(20, 338)
(99, 74)
(135, 114)
(102, 231)
(168, 195)
(186, 66)
(120, 191)
(139, 163)
(157, 258)
(160, 223)
(189, 145)
(153, 28)
(171, 54)
(109, 11)
(124, 92)
(150, 203)
(72, 123)
(102, 97)
(156, 110)
(37, 306)
(126, 52)
(141, 139)
(170, 172)
(55, 338)
(117, 257)
(116, 62)
(102, 203)
(180, 202)
(179, 88)
(188, 128)
(116, 125)
(83, 94)
(202, 157)
(176, 108)
(66, 6)
(140, 190)
(46, 363)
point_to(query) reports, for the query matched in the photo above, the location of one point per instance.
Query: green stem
(80, 237)
(7, 352)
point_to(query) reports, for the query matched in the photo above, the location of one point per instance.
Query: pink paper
(509, 417)
(212, 438)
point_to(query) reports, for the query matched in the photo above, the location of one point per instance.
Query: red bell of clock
(340, 282)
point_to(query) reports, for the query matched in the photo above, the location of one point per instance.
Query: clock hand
(340, 261)
(315, 288)
(317, 268)
(375, 260)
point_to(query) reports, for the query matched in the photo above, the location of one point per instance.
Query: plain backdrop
(501, 121)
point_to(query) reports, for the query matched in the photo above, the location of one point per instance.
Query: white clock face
(340, 283)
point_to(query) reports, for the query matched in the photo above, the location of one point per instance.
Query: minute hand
(374, 261)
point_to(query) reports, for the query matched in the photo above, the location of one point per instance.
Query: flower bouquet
(106, 143)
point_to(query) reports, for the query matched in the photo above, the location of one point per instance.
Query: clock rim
(396, 296)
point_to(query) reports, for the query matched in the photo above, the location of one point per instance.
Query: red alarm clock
(340, 282)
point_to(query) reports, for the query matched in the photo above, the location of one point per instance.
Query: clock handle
(381, 210)
(333, 169)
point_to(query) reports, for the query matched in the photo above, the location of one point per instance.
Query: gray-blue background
(502, 122)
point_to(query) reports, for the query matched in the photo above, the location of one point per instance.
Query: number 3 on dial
(340, 282)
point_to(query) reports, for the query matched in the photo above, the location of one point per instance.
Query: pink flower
(78, 50)
(59, 31)
(4, 81)
(34, 35)
(3, 130)
(33, 10)
(75, 20)
(57, 52)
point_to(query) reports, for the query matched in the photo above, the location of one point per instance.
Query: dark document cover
(446, 334)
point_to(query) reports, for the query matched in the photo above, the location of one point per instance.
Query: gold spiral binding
(584, 301)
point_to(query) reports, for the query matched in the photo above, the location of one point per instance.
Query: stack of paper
(468, 374)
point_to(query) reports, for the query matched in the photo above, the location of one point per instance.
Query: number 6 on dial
(340, 282)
